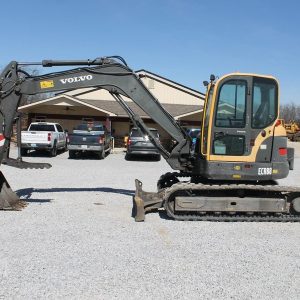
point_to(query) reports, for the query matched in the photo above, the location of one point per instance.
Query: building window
(88, 119)
(40, 118)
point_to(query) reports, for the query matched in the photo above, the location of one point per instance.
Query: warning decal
(47, 84)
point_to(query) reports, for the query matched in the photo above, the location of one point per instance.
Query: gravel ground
(76, 240)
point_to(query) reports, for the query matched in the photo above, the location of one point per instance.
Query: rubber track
(238, 217)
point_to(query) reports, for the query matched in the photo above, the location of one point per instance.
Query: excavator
(229, 176)
(292, 130)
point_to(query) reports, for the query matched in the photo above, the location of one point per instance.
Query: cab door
(231, 128)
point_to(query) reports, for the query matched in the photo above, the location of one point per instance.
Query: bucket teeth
(9, 200)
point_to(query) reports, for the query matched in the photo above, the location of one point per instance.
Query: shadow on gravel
(41, 201)
(36, 153)
(145, 158)
(87, 156)
(27, 193)
(163, 215)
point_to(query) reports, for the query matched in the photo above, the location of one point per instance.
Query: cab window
(264, 102)
(59, 128)
(231, 107)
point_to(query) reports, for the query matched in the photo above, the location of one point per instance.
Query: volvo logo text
(76, 79)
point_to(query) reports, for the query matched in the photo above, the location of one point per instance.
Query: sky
(182, 40)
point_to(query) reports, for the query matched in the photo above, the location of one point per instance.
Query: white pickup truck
(43, 136)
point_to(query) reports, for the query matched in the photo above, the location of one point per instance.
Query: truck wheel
(23, 152)
(53, 152)
(101, 154)
(65, 148)
(72, 154)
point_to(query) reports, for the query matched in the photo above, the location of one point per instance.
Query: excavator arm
(107, 74)
(103, 73)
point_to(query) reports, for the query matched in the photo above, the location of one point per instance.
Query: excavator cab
(241, 136)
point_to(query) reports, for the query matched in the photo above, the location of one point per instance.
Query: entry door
(232, 126)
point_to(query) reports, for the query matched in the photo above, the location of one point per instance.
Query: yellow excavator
(231, 173)
(292, 130)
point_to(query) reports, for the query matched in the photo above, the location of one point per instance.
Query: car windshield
(136, 133)
(194, 133)
(41, 127)
(89, 127)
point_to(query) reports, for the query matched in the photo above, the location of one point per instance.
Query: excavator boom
(105, 73)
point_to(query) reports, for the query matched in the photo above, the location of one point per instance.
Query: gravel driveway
(76, 240)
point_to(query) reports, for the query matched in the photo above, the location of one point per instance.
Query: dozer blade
(9, 200)
(144, 201)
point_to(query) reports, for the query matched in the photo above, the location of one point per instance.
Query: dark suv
(195, 134)
(141, 145)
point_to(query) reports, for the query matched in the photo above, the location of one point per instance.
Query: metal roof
(113, 107)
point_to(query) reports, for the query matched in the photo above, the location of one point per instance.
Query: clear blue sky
(183, 40)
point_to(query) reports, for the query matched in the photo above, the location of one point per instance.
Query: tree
(27, 99)
(290, 112)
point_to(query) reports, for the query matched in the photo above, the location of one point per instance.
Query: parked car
(194, 133)
(89, 137)
(43, 136)
(138, 144)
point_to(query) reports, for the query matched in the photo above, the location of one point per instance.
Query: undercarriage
(216, 201)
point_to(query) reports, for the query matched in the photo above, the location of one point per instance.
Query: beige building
(71, 108)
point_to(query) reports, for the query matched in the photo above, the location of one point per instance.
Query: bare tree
(290, 112)
(27, 99)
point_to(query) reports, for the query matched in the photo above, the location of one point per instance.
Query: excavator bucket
(145, 201)
(9, 200)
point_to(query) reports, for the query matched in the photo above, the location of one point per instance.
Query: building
(92, 104)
